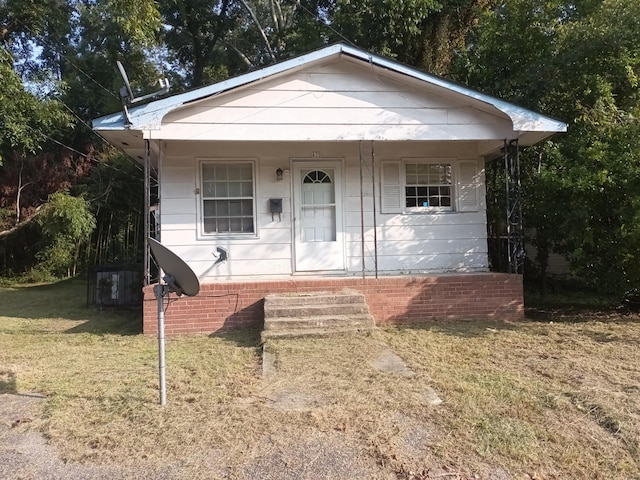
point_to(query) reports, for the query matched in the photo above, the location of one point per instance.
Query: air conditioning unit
(115, 286)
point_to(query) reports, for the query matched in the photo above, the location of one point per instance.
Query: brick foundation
(392, 300)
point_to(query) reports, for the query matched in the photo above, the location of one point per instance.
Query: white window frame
(466, 183)
(202, 197)
(429, 209)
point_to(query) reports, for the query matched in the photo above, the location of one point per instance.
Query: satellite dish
(126, 94)
(178, 278)
(178, 275)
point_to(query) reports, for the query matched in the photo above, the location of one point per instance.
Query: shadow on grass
(66, 300)
(569, 297)
(463, 328)
(575, 302)
(580, 314)
(534, 323)
(608, 337)
(242, 337)
(112, 322)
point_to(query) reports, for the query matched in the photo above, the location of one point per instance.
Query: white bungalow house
(337, 169)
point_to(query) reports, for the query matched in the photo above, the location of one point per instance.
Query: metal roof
(149, 116)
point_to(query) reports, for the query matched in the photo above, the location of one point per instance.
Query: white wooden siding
(407, 243)
(347, 100)
(421, 247)
(435, 263)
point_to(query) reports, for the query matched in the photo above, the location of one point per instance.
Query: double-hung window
(428, 186)
(228, 193)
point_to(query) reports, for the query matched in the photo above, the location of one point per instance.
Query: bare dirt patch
(26, 454)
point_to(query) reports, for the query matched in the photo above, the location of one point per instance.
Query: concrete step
(314, 298)
(316, 314)
(320, 321)
(313, 310)
(314, 332)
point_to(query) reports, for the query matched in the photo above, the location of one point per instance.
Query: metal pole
(520, 225)
(147, 212)
(159, 183)
(361, 208)
(159, 290)
(373, 197)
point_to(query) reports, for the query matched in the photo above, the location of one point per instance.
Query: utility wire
(54, 48)
(67, 59)
(325, 24)
(90, 158)
(136, 164)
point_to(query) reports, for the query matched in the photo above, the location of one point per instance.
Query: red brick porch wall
(392, 300)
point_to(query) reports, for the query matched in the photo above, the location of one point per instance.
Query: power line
(136, 164)
(54, 48)
(325, 24)
(88, 157)
(67, 59)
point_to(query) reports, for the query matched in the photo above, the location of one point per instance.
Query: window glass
(317, 176)
(428, 186)
(227, 197)
(234, 189)
(246, 189)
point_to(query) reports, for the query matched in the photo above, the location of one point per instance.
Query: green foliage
(422, 33)
(139, 20)
(65, 223)
(195, 36)
(116, 188)
(604, 223)
(579, 61)
(25, 119)
(210, 41)
(389, 27)
(5, 213)
(57, 58)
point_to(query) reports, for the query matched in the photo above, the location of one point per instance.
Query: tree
(65, 224)
(25, 119)
(195, 36)
(211, 41)
(422, 33)
(57, 60)
(579, 61)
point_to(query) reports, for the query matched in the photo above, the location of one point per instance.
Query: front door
(317, 192)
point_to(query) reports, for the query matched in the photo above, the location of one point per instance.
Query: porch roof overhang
(129, 130)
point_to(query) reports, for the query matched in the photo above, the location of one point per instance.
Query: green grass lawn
(555, 396)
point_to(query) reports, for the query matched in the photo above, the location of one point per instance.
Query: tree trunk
(263, 34)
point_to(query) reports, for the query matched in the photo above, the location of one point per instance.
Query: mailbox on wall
(275, 206)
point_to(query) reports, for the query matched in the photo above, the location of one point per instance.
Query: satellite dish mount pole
(160, 291)
(174, 275)
(126, 93)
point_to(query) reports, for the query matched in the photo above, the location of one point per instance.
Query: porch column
(147, 211)
(515, 234)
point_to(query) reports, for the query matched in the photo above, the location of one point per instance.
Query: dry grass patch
(534, 399)
(556, 398)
